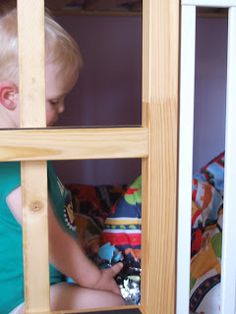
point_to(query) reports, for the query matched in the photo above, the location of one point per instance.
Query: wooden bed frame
(156, 142)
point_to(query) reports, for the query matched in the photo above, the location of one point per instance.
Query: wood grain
(33, 174)
(160, 105)
(156, 143)
(73, 144)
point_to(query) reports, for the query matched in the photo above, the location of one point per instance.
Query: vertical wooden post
(160, 105)
(33, 174)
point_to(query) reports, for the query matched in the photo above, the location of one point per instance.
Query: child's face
(57, 87)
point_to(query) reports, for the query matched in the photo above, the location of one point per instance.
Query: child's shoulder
(9, 167)
(9, 176)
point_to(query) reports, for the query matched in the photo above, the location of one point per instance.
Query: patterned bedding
(92, 205)
(207, 218)
(113, 214)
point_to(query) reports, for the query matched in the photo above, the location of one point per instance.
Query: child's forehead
(62, 70)
(52, 69)
(57, 82)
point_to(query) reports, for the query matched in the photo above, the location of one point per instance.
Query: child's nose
(61, 107)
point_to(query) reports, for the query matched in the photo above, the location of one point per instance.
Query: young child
(92, 287)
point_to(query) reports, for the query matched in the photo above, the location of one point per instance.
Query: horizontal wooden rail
(99, 310)
(68, 144)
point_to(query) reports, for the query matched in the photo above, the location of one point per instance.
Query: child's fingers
(115, 269)
(116, 290)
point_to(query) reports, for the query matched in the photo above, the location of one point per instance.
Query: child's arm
(67, 255)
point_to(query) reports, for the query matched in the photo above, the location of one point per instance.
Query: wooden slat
(160, 96)
(35, 236)
(210, 3)
(99, 310)
(33, 174)
(56, 5)
(187, 84)
(73, 144)
(95, 7)
(228, 284)
(107, 4)
(81, 12)
(31, 63)
(95, 311)
(212, 12)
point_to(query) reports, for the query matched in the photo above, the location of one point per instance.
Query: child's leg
(65, 296)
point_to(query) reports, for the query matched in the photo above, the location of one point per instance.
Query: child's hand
(106, 281)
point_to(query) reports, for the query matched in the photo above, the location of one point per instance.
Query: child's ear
(8, 95)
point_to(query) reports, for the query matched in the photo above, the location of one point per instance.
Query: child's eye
(54, 102)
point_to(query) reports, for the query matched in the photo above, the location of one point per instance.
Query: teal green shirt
(11, 252)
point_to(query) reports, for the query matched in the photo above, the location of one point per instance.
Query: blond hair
(60, 47)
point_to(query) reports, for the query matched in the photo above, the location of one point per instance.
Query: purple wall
(210, 89)
(109, 90)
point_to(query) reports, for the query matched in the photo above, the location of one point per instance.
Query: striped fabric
(123, 226)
